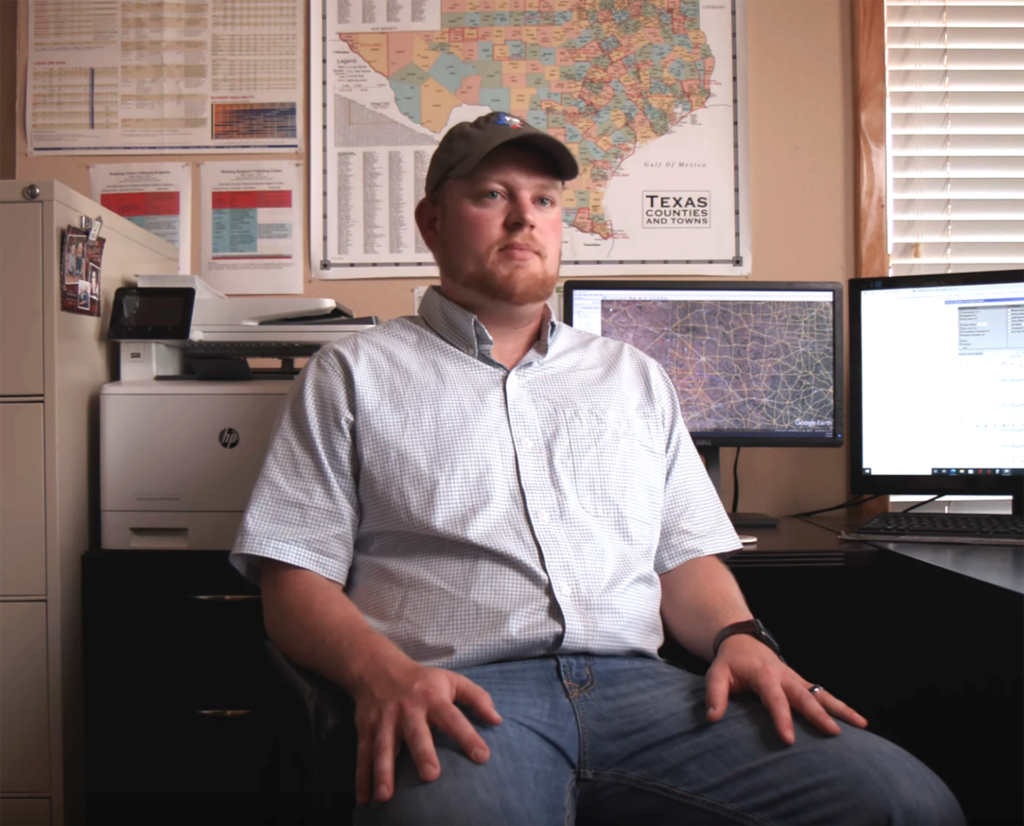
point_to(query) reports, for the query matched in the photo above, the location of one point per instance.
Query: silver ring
(814, 689)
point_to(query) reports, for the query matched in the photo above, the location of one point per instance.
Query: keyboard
(955, 528)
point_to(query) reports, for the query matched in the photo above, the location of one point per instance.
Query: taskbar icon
(976, 471)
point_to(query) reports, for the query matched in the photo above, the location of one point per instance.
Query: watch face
(765, 636)
(755, 628)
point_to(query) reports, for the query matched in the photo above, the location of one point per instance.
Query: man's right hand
(401, 705)
(397, 699)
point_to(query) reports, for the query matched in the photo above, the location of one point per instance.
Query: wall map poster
(649, 95)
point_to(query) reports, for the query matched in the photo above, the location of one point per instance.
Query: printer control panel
(152, 313)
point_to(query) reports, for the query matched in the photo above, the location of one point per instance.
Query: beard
(510, 282)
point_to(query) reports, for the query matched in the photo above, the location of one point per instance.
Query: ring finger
(836, 707)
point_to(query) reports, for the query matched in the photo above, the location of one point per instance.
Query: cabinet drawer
(24, 723)
(168, 619)
(193, 645)
(21, 300)
(22, 501)
(191, 742)
(25, 811)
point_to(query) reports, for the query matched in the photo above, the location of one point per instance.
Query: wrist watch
(755, 628)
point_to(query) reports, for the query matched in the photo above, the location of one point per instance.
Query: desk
(799, 542)
(925, 641)
(994, 570)
(955, 690)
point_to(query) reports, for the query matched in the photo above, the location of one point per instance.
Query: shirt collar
(464, 331)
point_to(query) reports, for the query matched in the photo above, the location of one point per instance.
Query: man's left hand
(744, 664)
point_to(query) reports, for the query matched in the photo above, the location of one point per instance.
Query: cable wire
(849, 503)
(736, 482)
(919, 504)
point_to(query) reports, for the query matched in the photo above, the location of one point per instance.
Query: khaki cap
(466, 144)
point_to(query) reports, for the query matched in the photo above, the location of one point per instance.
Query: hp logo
(229, 438)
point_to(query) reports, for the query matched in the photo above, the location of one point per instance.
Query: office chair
(312, 762)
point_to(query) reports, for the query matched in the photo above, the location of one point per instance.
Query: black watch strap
(753, 627)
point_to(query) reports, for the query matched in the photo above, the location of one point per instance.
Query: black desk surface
(997, 565)
(798, 542)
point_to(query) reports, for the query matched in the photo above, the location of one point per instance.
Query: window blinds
(955, 135)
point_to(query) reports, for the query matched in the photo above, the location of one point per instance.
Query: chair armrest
(330, 714)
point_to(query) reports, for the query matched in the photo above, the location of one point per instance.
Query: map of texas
(603, 76)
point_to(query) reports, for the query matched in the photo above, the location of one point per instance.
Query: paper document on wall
(371, 17)
(252, 230)
(155, 196)
(113, 77)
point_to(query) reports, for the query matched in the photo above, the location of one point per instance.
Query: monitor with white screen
(937, 384)
(754, 363)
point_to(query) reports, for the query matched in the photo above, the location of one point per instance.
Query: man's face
(497, 232)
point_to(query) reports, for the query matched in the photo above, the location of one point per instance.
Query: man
(478, 520)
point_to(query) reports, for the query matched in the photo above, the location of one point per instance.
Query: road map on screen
(756, 366)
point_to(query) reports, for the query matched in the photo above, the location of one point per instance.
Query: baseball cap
(466, 144)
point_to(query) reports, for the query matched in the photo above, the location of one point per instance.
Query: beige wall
(802, 199)
(802, 205)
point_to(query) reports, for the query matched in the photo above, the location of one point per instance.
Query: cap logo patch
(507, 120)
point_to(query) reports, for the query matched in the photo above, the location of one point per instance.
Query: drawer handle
(223, 712)
(157, 539)
(225, 597)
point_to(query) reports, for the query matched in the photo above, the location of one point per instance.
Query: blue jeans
(624, 740)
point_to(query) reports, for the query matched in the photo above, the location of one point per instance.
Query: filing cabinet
(173, 652)
(52, 366)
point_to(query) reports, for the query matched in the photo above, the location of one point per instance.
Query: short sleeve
(694, 523)
(304, 509)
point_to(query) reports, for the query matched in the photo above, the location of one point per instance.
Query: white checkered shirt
(477, 514)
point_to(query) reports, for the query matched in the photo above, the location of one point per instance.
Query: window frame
(869, 94)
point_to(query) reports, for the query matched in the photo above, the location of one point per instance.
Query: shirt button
(528, 443)
(545, 516)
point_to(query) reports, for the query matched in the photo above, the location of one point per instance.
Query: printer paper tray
(169, 530)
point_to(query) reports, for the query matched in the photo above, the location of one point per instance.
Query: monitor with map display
(937, 384)
(755, 363)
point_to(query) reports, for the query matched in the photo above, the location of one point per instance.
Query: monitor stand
(739, 520)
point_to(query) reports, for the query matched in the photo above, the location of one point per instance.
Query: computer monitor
(937, 384)
(755, 363)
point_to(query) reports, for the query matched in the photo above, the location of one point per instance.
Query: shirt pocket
(618, 463)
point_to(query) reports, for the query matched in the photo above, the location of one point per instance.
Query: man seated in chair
(478, 522)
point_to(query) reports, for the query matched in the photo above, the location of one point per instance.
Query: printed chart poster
(252, 226)
(649, 97)
(156, 197)
(123, 76)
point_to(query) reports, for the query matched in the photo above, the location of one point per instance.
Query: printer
(184, 431)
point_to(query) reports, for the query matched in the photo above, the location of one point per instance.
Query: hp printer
(184, 432)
